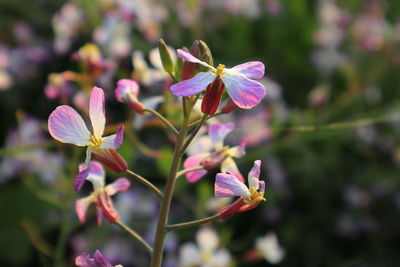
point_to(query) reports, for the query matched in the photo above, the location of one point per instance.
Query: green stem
(8, 151)
(193, 223)
(62, 238)
(197, 121)
(193, 134)
(184, 171)
(145, 182)
(166, 201)
(135, 235)
(163, 119)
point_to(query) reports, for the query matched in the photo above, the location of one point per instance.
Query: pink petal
(81, 206)
(229, 166)
(192, 162)
(114, 141)
(252, 69)
(121, 184)
(227, 185)
(100, 261)
(218, 132)
(67, 126)
(95, 174)
(95, 168)
(240, 150)
(261, 186)
(244, 92)
(255, 171)
(96, 111)
(84, 260)
(80, 179)
(190, 58)
(126, 87)
(194, 85)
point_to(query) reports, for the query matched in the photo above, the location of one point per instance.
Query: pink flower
(227, 185)
(101, 195)
(67, 126)
(98, 260)
(211, 153)
(245, 92)
(127, 91)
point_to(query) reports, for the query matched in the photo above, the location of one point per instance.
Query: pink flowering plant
(192, 80)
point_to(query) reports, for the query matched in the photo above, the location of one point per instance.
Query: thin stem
(169, 190)
(197, 121)
(163, 119)
(193, 134)
(184, 171)
(135, 235)
(146, 183)
(193, 223)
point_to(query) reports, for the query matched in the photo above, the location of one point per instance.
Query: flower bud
(166, 58)
(212, 97)
(127, 92)
(111, 159)
(189, 69)
(107, 207)
(229, 106)
(238, 206)
(204, 55)
(213, 160)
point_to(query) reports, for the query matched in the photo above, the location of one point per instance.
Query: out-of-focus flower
(227, 185)
(211, 153)
(98, 260)
(273, 7)
(319, 96)
(38, 161)
(127, 91)
(206, 253)
(268, 246)
(101, 195)
(250, 8)
(245, 92)
(67, 126)
(66, 24)
(91, 56)
(59, 85)
(6, 80)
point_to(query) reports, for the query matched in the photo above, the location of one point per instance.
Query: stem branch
(193, 223)
(146, 183)
(163, 119)
(135, 235)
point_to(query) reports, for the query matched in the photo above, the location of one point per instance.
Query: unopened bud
(212, 97)
(127, 91)
(228, 107)
(166, 58)
(107, 207)
(112, 159)
(204, 55)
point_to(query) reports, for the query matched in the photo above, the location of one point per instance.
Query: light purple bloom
(98, 260)
(101, 194)
(127, 91)
(211, 153)
(67, 126)
(245, 92)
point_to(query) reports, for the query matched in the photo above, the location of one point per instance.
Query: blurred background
(328, 132)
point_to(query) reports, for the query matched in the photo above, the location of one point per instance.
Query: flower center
(220, 69)
(255, 196)
(94, 142)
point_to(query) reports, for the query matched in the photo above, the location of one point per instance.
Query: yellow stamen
(220, 69)
(94, 142)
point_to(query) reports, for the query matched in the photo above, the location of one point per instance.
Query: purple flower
(98, 260)
(67, 126)
(227, 185)
(245, 92)
(211, 153)
(127, 91)
(101, 194)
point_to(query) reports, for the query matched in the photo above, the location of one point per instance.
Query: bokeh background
(327, 133)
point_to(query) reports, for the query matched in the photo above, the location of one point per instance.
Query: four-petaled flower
(245, 92)
(98, 260)
(101, 195)
(212, 152)
(227, 185)
(67, 126)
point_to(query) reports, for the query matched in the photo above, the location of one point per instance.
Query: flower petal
(114, 141)
(121, 184)
(261, 186)
(244, 92)
(80, 179)
(189, 57)
(67, 126)
(218, 132)
(207, 239)
(240, 150)
(81, 206)
(96, 111)
(100, 261)
(255, 171)
(229, 166)
(252, 69)
(192, 162)
(227, 185)
(194, 85)
(84, 260)
(95, 174)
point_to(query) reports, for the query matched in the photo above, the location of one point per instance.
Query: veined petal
(80, 179)
(121, 184)
(192, 162)
(189, 57)
(95, 174)
(218, 132)
(244, 92)
(96, 111)
(227, 185)
(255, 171)
(229, 166)
(194, 85)
(67, 126)
(113, 141)
(252, 69)
(81, 206)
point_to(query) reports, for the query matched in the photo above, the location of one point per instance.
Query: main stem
(166, 201)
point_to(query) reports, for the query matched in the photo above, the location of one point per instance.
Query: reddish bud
(112, 159)
(238, 206)
(212, 97)
(228, 107)
(107, 207)
(213, 160)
